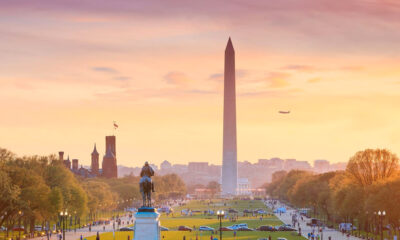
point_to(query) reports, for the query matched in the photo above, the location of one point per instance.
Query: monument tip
(229, 45)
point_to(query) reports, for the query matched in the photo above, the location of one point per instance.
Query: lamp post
(220, 214)
(63, 215)
(75, 221)
(20, 215)
(381, 216)
(367, 223)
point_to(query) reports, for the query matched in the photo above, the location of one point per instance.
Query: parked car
(244, 229)
(236, 226)
(315, 222)
(184, 228)
(232, 211)
(3, 228)
(38, 228)
(285, 228)
(346, 226)
(206, 228)
(266, 228)
(281, 238)
(163, 228)
(226, 229)
(126, 229)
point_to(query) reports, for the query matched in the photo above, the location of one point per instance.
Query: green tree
(214, 188)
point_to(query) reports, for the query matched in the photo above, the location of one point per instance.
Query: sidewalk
(326, 233)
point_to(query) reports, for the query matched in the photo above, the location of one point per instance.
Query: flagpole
(115, 126)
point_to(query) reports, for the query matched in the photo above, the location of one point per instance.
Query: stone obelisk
(229, 159)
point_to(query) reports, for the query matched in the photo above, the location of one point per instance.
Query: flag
(115, 125)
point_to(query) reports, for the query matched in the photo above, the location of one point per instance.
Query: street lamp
(20, 215)
(220, 214)
(75, 221)
(381, 216)
(63, 215)
(367, 223)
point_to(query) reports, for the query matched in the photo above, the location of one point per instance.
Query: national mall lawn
(173, 221)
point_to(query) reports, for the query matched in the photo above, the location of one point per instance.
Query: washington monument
(229, 159)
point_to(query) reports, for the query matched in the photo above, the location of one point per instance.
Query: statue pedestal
(147, 224)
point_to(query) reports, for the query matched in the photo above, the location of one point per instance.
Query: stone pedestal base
(147, 224)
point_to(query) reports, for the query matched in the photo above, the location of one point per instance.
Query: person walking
(98, 236)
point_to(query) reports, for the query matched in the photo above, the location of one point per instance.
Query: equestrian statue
(146, 184)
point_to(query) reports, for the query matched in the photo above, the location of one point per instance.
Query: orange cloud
(278, 80)
(314, 80)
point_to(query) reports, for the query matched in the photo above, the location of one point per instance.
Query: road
(326, 233)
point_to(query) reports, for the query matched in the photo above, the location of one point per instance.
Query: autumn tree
(369, 166)
(288, 182)
(169, 186)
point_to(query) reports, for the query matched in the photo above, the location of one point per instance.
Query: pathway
(326, 233)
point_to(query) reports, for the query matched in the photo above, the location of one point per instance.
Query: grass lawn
(199, 219)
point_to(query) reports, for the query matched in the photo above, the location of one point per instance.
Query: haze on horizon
(68, 69)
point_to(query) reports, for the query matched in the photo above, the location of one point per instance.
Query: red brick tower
(75, 164)
(67, 163)
(110, 160)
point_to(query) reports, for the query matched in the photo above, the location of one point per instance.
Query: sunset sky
(69, 68)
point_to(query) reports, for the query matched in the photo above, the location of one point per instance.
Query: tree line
(370, 183)
(35, 189)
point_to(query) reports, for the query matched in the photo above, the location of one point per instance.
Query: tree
(100, 196)
(369, 166)
(277, 178)
(382, 196)
(169, 186)
(214, 188)
(313, 190)
(9, 195)
(288, 182)
(349, 199)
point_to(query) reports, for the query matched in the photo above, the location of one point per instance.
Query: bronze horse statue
(145, 190)
(146, 184)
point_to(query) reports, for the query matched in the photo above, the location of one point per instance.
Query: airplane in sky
(284, 112)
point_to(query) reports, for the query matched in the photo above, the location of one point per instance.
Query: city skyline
(68, 72)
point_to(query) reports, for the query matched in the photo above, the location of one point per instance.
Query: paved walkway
(71, 235)
(326, 233)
